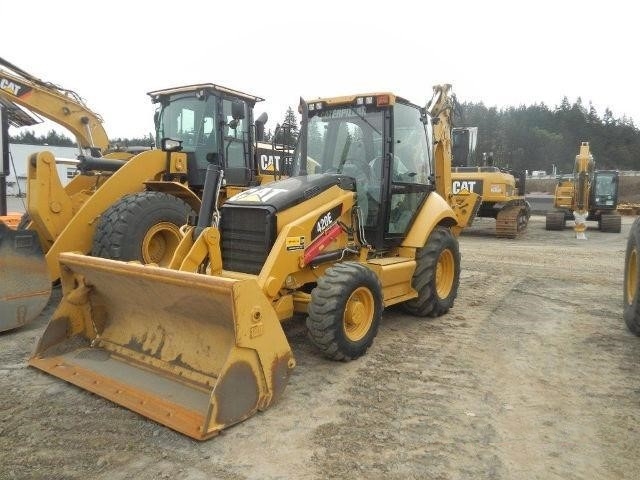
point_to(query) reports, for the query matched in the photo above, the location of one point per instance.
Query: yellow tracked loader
(360, 225)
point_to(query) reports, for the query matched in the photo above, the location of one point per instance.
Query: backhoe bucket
(194, 352)
(25, 286)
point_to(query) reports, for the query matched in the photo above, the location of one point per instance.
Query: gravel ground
(531, 375)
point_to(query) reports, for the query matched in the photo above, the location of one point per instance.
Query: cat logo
(269, 162)
(257, 195)
(475, 186)
(13, 88)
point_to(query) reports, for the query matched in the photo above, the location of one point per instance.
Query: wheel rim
(445, 272)
(358, 314)
(632, 276)
(160, 242)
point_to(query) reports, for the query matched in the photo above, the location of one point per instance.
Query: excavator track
(511, 221)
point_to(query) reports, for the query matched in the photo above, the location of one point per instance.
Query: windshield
(605, 184)
(344, 140)
(190, 119)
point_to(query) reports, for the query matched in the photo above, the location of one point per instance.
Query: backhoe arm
(464, 204)
(440, 108)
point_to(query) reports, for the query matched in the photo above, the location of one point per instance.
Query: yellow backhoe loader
(502, 193)
(631, 284)
(362, 224)
(124, 206)
(590, 195)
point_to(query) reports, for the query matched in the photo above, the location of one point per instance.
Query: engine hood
(287, 193)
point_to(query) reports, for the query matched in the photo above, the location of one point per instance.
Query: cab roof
(350, 99)
(156, 94)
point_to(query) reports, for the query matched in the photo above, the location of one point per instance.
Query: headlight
(170, 145)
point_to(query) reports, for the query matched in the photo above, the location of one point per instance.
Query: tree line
(56, 139)
(537, 137)
(534, 137)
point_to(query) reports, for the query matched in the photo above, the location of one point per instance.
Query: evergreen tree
(314, 142)
(536, 137)
(290, 131)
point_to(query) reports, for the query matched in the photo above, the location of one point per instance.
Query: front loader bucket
(194, 352)
(25, 286)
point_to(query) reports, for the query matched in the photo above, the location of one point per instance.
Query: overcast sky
(498, 52)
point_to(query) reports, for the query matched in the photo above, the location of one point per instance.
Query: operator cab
(213, 125)
(604, 194)
(382, 141)
(463, 146)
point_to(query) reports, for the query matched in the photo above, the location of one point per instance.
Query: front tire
(631, 292)
(143, 226)
(437, 275)
(345, 311)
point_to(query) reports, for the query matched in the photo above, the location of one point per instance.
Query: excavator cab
(604, 191)
(464, 146)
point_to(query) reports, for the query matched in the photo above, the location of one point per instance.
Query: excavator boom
(60, 105)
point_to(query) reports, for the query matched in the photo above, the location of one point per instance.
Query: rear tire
(345, 311)
(555, 221)
(437, 275)
(611, 223)
(631, 287)
(143, 226)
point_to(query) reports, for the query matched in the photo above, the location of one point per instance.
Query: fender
(132, 177)
(176, 189)
(435, 211)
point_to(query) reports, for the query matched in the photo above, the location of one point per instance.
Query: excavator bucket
(25, 286)
(194, 352)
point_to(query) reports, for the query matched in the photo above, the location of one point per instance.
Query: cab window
(410, 169)
(235, 133)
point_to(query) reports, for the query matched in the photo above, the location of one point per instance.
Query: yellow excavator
(502, 193)
(361, 224)
(631, 284)
(123, 205)
(10, 115)
(25, 286)
(590, 195)
(55, 103)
